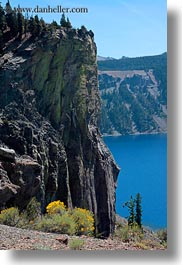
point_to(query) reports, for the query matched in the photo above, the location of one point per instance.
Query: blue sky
(122, 27)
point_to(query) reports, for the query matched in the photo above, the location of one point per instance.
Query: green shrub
(127, 233)
(76, 244)
(10, 216)
(57, 224)
(122, 233)
(30, 216)
(33, 210)
(148, 244)
(162, 235)
(142, 245)
(23, 222)
(135, 233)
(84, 221)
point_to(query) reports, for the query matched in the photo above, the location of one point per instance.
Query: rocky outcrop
(7, 154)
(49, 112)
(19, 179)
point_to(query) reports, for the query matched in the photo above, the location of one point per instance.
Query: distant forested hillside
(134, 95)
(138, 63)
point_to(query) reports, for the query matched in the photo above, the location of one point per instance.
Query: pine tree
(131, 207)
(68, 24)
(138, 215)
(34, 26)
(2, 19)
(1, 41)
(11, 19)
(38, 28)
(26, 22)
(21, 24)
(83, 28)
(82, 31)
(54, 24)
(43, 24)
(63, 21)
(31, 25)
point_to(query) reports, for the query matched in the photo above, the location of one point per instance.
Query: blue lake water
(143, 163)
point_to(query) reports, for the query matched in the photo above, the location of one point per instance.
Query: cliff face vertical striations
(49, 111)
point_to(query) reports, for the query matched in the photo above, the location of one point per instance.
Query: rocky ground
(22, 239)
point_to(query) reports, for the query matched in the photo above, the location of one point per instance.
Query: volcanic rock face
(19, 178)
(49, 111)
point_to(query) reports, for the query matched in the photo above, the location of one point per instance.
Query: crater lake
(143, 163)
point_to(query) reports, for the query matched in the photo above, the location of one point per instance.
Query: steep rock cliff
(49, 111)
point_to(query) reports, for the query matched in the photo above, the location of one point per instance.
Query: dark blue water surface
(143, 163)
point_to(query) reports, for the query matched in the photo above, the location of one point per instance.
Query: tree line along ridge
(16, 25)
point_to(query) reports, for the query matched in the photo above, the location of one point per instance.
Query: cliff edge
(50, 145)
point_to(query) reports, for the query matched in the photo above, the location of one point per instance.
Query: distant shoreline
(134, 134)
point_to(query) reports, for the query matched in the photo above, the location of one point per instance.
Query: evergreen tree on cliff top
(21, 24)
(11, 19)
(65, 23)
(2, 18)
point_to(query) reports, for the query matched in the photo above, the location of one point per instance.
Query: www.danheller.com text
(49, 9)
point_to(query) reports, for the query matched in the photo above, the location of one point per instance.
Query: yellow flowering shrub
(60, 219)
(56, 207)
(84, 221)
